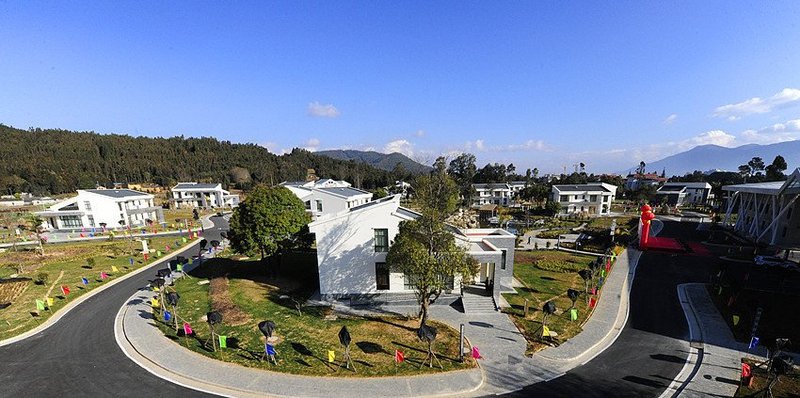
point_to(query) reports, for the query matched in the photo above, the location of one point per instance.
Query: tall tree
(462, 169)
(424, 250)
(267, 222)
(756, 165)
(776, 169)
(641, 168)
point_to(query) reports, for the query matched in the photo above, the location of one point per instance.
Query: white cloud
(312, 145)
(715, 137)
(271, 146)
(400, 146)
(319, 110)
(419, 133)
(785, 97)
(529, 145)
(670, 119)
(779, 132)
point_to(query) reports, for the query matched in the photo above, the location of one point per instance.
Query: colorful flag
(271, 350)
(592, 302)
(184, 239)
(187, 329)
(746, 371)
(50, 302)
(85, 281)
(114, 268)
(65, 290)
(223, 341)
(158, 253)
(545, 331)
(39, 305)
(146, 257)
(155, 288)
(166, 247)
(735, 320)
(331, 355)
(398, 356)
(154, 302)
(475, 353)
(167, 316)
(130, 260)
(753, 343)
(179, 267)
(103, 275)
(602, 273)
(573, 314)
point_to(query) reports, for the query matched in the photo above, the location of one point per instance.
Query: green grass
(304, 340)
(542, 285)
(69, 258)
(787, 385)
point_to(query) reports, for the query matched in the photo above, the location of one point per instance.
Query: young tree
(424, 250)
(462, 169)
(35, 226)
(267, 221)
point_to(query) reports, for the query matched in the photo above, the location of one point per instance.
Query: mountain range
(383, 161)
(715, 157)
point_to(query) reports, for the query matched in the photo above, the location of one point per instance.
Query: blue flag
(753, 343)
(167, 316)
(270, 349)
(130, 260)
(85, 281)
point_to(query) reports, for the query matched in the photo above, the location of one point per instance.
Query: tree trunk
(423, 311)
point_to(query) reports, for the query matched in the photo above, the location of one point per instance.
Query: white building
(328, 196)
(767, 212)
(680, 193)
(95, 208)
(194, 194)
(496, 193)
(352, 247)
(592, 199)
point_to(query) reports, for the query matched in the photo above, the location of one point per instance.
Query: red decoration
(592, 302)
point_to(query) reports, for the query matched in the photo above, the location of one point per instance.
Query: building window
(381, 276)
(503, 259)
(71, 221)
(87, 205)
(564, 198)
(593, 198)
(91, 220)
(319, 205)
(381, 240)
(308, 205)
(408, 282)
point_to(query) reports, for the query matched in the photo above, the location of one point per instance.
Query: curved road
(649, 352)
(79, 356)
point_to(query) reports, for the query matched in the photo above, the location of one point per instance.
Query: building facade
(767, 212)
(102, 208)
(682, 193)
(202, 195)
(590, 199)
(352, 248)
(328, 196)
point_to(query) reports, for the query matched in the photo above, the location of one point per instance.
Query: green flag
(223, 341)
(179, 267)
(40, 305)
(573, 314)
(158, 253)
(184, 239)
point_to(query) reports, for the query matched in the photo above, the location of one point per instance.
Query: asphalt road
(79, 357)
(648, 354)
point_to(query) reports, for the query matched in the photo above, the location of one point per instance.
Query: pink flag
(187, 329)
(103, 275)
(475, 353)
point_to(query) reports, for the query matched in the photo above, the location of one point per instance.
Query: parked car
(773, 261)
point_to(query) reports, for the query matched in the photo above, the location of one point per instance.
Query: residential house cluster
(496, 193)
(202, 195)
(590, 199)
(327, 196)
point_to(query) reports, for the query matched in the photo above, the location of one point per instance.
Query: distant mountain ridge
(383, 161)
(711, 157)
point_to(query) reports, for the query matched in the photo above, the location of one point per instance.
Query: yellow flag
(735, 320)
(331, 355)
(155, 288)
(154, 303)
(50, 301)
(114, 268)
(545, 331)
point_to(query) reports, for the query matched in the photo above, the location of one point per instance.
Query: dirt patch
(10, 289)
(222, 302)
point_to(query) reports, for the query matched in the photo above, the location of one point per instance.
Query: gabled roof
(117, 193)
(692, 185)
(196, 185)
(582, 188)
(491, 185)
(671, 188)
(345, 192)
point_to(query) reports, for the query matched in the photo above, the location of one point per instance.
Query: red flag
(65, 289)
(398, 356)
(475, 353)
(746, 372)
(592, 302)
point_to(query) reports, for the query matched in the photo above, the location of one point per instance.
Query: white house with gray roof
(352, 247)
(591, 199)
(328, 196)
(97, 208)
(680, 193)
(202, 195)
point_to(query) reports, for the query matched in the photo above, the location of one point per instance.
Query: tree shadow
(369, 347)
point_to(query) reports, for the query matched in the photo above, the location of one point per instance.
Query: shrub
(41, 278)
(90, 262)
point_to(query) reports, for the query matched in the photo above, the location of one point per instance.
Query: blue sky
(540, 84)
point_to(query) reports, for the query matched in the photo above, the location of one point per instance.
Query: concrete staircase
(476, 302)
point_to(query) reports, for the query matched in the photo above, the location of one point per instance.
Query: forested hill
(59, 161)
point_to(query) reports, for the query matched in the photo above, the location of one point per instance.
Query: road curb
(71, 305)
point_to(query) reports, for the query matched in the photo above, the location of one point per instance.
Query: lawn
(65, 264)
(245, 297)
(787, 385)
(546, 276)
